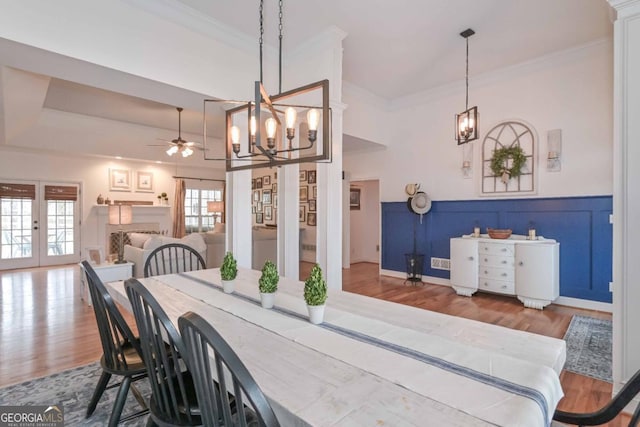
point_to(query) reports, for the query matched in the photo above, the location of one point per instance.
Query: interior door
(39, 224)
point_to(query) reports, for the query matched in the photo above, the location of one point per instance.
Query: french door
(39, 223)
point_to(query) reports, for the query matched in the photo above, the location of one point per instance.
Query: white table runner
(485, 399)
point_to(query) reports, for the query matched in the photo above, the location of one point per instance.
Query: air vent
(440, 264)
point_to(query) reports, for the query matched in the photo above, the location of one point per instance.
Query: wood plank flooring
(45, 327)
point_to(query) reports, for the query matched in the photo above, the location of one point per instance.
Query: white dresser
(528, 269)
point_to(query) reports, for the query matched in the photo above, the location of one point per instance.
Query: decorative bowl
(495, 233)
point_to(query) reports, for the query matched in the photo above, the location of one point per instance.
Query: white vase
(267, 299)
(316, 313)
(227, 286)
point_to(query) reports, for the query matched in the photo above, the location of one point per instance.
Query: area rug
(589, 342)
(73, 389)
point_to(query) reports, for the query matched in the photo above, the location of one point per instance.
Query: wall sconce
(554, 150)
(467, 161)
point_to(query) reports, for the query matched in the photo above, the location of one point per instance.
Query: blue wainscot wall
(579, 224)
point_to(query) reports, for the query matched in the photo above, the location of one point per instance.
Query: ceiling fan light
(173, 150)
(186, 152)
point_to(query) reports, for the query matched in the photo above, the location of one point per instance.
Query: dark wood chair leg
(97, 394)
(119, 403)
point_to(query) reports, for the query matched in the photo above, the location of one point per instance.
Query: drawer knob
(486, 260)
(504, 249)
(486, 272)
(504, 286)
(504, 261)
(504, 274)
(521, 263)
(470, 258)
(486, 284)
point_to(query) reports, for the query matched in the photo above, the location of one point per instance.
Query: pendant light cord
(260, 40)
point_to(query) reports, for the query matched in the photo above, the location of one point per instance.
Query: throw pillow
(138, 239)
(152, 243)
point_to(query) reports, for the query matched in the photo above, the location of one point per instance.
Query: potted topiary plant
(228, 272)
(315, 295)
(268, 284)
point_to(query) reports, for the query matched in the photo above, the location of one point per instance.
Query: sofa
(143, 244)
(264, 247)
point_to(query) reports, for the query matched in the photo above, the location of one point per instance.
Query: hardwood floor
(45, 327)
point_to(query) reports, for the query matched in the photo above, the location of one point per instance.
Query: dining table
(371, 362)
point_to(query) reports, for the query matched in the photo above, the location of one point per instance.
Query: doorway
(364, 219)
(39, 223)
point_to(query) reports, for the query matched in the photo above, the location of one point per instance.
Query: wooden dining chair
(121, 352)
(172, 258)
(217, 409)
(173, 398)
(607, 412)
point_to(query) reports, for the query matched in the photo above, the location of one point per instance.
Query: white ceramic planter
(316, 313)
(267, 300)
(227, 286)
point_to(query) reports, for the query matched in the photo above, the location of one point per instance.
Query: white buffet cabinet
(528, 269)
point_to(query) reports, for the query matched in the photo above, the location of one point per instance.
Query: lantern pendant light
(467, 121)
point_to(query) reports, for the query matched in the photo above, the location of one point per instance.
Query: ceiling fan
(180, 145)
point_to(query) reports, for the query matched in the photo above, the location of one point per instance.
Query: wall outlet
(440, 264)
(377, 248)
(610, 286)
(610, 218)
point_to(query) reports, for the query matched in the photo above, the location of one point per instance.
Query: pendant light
(467, 121)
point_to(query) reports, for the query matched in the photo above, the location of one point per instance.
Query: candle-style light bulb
(290, 120)
(235, 139)
(313, 118)
(271, 126)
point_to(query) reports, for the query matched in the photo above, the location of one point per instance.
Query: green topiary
(315, 288)
(268, 282)
(500, 157)
(229, 269)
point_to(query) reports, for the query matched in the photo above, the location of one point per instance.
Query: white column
(626, 193)
(288, 224)
(238, 216)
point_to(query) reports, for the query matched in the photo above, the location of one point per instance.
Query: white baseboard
(570, 302)
(583, 303)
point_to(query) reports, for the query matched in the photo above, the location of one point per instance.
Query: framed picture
(95, 255)
(268, 213)
(303, 176)
(311, 177)
(312, 205)
(266, 197)
(119, 180)
(274, 188)
(253, 184)
(256, 195)
(254, 209)
(258, 182)
(266, 180)
(301, 214)
(311, 219)
(315, 191)
(259, 207)
(259, 218)
(304, 193)
(275, 201)
(144, 182)
(354, 199)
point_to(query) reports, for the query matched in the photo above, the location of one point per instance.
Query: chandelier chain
(466, 102)
(280, 48)
(260, 40)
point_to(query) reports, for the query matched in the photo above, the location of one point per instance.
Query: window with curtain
(197, 218)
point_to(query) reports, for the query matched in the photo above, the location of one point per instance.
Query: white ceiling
(392, 49)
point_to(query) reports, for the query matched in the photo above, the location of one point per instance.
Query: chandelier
(467, 121)
(287, 128)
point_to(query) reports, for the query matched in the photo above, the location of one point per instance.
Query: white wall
(365, 223)
(93, 175)
(571, 90)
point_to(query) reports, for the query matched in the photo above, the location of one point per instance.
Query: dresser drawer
(501, 249)
(497, 286)
(496, 261)
(496, 273)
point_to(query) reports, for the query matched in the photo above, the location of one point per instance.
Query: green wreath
(500, 157)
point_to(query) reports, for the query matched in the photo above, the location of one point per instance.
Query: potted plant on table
(315, 295)
(268, 284)
(228, 272)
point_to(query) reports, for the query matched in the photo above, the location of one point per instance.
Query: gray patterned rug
(73, 389)
(589, 347)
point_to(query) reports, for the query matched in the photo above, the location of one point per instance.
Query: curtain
(178, 206)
